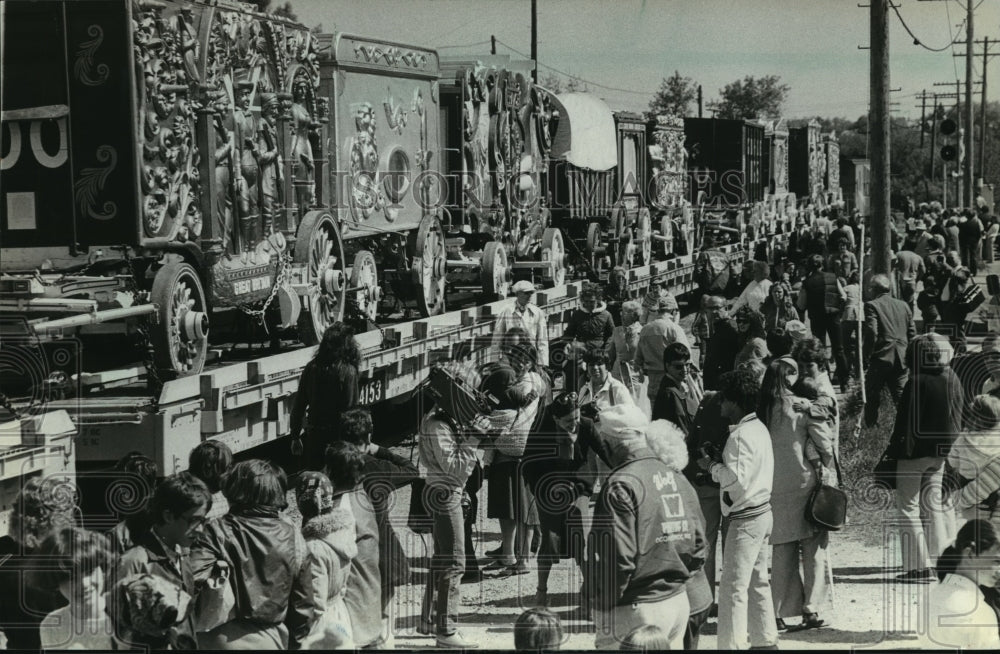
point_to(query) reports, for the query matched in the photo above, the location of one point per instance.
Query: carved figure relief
(177, 75)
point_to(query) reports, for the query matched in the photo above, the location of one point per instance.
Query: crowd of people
(627, 446)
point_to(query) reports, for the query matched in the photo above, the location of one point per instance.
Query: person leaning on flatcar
(328, 387)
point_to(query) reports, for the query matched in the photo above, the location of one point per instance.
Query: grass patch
(859, 452)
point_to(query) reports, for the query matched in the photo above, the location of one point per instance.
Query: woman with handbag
(803, 445)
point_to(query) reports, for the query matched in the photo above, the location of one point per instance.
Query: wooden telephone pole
(879, 131)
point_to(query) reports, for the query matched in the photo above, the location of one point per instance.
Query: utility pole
(493, 44)
(969, 116)
(879, 128)
(700, 99)
(982, 112)
(534, 41)
(923, 115)
(933, 140)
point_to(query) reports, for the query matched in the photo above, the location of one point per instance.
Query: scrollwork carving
(83, 67)
(88, 186)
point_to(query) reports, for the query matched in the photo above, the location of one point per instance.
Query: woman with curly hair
(39, 510)
(328, 387)
(779, 307)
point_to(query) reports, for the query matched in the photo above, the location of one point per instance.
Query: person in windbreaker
(263, 550)
(647, 537)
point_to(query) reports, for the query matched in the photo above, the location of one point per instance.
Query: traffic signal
(948, 127)
(948, 153)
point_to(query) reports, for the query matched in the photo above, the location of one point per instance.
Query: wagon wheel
(495, 271)
(364, 284)
(180, 340)
(429, 265)
(595, 236)
(688, 230)
(644, 237)
(667, 232)
(319, 248)
(554, 254)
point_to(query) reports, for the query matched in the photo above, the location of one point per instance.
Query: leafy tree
(285, 10)
(752, 98)
(675, 95)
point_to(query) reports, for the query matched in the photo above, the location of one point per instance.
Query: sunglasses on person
(567, 399)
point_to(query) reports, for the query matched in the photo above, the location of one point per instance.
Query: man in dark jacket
(722, 346)
(822, 298)
(970, 236)
(643, 551)
(671, 402)
(888, 328)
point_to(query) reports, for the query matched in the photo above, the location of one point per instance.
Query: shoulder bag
(827, 505)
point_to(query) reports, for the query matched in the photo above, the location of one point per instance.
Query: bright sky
(631, 44)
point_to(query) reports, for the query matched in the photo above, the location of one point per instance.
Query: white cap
(523, 286)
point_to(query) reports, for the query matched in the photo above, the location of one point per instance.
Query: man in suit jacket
(888, 328)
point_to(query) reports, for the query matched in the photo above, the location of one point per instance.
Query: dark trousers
(908, 290)
(880, 374)
(850, 341)
(695, 621)
(471, 517)
(448, 563)
(828, 324)
(711, 508)
(970, 256)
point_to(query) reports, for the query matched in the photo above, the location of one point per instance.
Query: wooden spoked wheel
(553, 254)
(496, 273)
(644, 237)
(320, 248)
(180, 340)
(364, 284)
(667, 232)
(430, 266)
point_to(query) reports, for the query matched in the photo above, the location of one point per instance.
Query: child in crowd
(209, 461)
(646, 638)
(178, 511)
(80, 560)
(319, 595)
(138, 473)
(537, 629)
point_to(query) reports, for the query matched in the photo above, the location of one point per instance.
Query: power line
(913, 36)
(463, 45)
(572, 76)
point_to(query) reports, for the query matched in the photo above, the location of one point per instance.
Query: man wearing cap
(647, 534)
(526, 315)
(723, 345)
(970, 240)
(654, 339)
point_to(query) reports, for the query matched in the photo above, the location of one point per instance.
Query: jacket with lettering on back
(648, 534)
